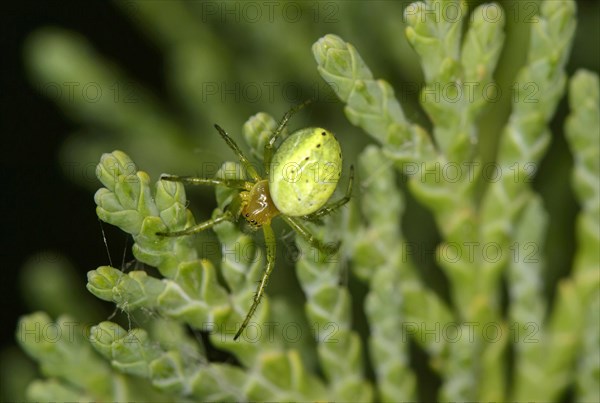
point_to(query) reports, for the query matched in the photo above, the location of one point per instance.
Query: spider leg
(226, 216)
(245, 162)
(270, 145)
(191, 180)
(330, 208)
(271, 245)
(309, 237)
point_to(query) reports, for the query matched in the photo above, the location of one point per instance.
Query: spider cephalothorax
(300, 177)
(257, 205)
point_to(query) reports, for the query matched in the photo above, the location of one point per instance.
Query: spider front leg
(245, 162)
(226, 216)
(271, 245)
(191, 180)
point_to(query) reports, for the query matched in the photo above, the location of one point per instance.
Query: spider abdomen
(305, 171)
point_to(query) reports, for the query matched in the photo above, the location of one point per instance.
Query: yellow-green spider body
(300, 177)
(305, 171)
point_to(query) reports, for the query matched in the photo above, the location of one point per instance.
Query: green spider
(300, 177)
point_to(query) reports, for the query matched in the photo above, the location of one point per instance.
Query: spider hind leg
(271, 245)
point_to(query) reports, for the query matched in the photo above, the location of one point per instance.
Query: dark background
(35, 191)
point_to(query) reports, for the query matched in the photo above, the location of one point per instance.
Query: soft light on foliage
(491, 248)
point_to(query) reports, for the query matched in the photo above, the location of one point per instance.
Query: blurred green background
(151, 78)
